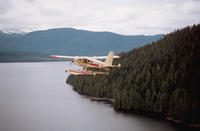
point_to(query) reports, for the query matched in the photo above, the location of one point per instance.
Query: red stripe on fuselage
(93, 64)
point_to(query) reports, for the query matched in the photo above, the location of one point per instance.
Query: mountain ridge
(69, 41)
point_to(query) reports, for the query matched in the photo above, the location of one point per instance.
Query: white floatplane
(91, 62)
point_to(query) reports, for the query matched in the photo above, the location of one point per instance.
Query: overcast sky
(128, 17)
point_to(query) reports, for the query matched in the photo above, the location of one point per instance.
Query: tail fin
(109, 59)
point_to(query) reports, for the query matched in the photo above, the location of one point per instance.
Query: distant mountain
(68, 41)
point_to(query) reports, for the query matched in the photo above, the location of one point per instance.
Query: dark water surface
(35, 97)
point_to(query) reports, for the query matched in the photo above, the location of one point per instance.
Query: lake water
(35, 97)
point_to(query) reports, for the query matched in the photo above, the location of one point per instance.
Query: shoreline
(105, 100)
(152, 114)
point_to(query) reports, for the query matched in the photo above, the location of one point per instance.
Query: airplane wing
(82, 57)
(69, 57)
(103, 57)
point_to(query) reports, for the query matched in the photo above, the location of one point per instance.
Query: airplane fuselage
(89, 64)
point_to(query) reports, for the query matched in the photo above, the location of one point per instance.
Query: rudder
(109, 59)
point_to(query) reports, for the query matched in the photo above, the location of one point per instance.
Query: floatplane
(89, 64)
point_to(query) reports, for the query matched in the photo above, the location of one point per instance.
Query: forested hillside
(160, 77)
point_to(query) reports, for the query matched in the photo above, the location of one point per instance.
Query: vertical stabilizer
(109, 59)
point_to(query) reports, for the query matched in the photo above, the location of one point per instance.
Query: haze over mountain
(68, 41)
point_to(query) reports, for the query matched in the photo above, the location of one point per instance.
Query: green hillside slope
(160, 77)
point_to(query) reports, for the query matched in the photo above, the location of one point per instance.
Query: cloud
(5, 5)
(31, 0)
(120, 16)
